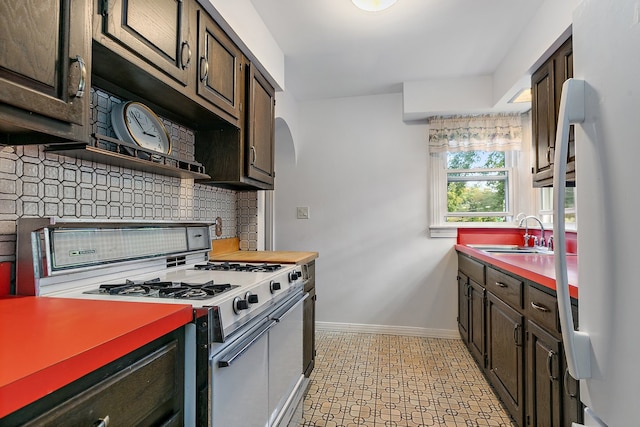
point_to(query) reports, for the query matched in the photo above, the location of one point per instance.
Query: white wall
(363, 173)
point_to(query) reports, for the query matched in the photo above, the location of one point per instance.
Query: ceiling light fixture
(373, 5)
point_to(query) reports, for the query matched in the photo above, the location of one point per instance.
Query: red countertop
(538, 268)
(47, 343)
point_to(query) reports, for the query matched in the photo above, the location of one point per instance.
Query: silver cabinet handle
(516, 336)
(502, 285)
(83, 77)
(566, 385)
(102, 422)
(204, 69)
(539, 307)
(253, 155)
(185, 64)
(550, 357)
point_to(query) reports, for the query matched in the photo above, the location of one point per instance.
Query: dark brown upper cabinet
(260, 127)
(45, 71)
(546, 85)
(156, 31)
(219, 68)
(243, 158)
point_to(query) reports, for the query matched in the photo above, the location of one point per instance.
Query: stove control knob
(274, 286)
(239, 304)
(294, 275)
(251, 298)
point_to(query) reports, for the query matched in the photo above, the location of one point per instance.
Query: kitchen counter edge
(38, 368)
(531, 267)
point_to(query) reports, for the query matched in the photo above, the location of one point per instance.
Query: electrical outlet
(302, 212)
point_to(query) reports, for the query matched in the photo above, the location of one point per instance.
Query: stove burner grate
(225, 266)
(162, 289)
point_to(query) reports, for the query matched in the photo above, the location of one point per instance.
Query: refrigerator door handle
(577, 344)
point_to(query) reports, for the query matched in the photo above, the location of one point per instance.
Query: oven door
(285, 362)
(239, 377)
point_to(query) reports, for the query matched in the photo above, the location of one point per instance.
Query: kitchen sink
(512, 249)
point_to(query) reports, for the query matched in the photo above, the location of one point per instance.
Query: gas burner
(156, 288)
(225, 266)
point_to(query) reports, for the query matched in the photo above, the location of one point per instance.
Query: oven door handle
(278, 316)
(238, 350)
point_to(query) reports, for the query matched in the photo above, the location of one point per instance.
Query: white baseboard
(388, 330)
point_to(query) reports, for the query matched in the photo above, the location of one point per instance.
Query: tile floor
(385, 380)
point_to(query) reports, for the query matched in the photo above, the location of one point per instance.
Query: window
(478, 184)
(474, 164)
(474, 186)
(545, 203)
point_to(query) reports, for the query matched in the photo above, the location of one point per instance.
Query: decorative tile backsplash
(35, 183)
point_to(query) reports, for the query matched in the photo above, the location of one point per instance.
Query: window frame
(439, 226)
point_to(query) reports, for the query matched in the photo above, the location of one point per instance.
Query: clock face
(141, 126)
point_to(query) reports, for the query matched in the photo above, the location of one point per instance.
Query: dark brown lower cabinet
(463, 307)
(505, 355)
(519, 346)
(144, 388)
(309, 322)
(544, 378)
(476, 321)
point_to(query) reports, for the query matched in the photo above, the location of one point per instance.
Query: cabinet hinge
(104, 7)
(532, 170)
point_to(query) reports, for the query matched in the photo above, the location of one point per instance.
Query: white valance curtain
(501, 132)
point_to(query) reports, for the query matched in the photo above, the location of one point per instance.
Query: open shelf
(115, 152)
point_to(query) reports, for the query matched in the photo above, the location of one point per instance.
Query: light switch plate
(302, 212)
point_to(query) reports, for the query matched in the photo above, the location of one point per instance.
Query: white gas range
(247, 328)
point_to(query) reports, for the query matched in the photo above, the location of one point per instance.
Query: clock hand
(138, 122)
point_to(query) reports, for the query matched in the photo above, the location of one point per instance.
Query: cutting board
(229, 250)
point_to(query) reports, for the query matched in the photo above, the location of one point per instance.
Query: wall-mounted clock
(136, 123)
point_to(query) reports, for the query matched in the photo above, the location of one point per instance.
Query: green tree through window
(477, 182)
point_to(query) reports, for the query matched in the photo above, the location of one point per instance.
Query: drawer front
(542, 308)
(508, 288)
(473, 269)
(145, 393)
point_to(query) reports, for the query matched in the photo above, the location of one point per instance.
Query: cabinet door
(260, 129)
(544, 378)
(543, 120)
(546, 85)
(563, 70)
(463, 306)
(505, 356)
(219, 67)
(572, 409)
(156, 31)
(309, 333)
(45, 57)
(476, 322)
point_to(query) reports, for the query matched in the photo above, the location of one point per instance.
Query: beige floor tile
(383, 380)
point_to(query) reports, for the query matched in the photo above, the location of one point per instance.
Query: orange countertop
(538, 268)
(47, 343)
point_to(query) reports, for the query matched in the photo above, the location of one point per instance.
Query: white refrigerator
(604, 102)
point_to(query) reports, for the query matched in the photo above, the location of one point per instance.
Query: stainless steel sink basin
(512, 249)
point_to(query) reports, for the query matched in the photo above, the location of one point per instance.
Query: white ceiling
(333, 49)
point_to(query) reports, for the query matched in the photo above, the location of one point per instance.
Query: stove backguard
(46, 248)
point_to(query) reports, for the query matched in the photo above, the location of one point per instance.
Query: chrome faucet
(526, 231)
